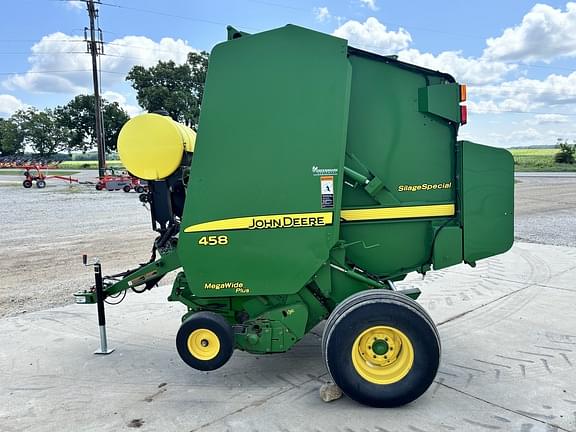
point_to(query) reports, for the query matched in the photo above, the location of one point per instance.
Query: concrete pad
(509, 350)
(449, 295)
(522, 350)
(524, 263)
(564, 280)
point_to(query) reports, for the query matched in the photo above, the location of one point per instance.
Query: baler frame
(279, 224)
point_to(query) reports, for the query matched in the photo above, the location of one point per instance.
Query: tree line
(176, 89)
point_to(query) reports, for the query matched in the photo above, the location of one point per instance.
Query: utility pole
(96, 48)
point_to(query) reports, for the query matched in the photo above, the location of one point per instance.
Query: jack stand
(104, 350)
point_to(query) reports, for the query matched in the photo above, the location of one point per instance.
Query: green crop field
(48, 172)
(538, 160)
(88, 164)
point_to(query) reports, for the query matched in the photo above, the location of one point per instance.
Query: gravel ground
(546, 210)
(45, 232)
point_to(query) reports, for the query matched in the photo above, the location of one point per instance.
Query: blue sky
(518, 57)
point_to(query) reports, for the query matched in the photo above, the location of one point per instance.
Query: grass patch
(538, 160)
(79, 165)
(13, 172)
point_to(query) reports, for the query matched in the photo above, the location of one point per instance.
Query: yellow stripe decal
(295, 220)
(398, 212)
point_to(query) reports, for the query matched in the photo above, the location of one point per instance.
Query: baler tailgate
(487, 194)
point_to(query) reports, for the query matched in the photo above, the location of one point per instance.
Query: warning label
(327, 191)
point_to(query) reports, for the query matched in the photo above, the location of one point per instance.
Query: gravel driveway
(45, 232)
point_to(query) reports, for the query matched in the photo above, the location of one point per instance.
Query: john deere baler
(320, 175)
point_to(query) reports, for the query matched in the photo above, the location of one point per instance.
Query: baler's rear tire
(205, 341)
(40, 184)
(381, 348)
(126, 188)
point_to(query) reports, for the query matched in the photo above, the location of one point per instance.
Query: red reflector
(463, 114)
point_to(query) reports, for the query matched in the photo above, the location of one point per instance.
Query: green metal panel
(273, 123)
(388, 248)
(487, 200)
(442, 100)
(391, 139)
(447, 247)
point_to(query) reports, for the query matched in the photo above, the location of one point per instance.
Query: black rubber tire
(126, 188)
(381, 308)
(99, 187)
(371, 294)
(40, 184)
(139, 189)
(27, 184)
(217, 324)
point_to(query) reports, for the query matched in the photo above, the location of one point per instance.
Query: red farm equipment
(36, 173)
(112, 181)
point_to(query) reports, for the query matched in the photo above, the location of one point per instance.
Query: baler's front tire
(381, 348)
(205, 341)
(27, 184)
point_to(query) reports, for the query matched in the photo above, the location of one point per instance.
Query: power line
(283, 6)
(170, 15)
(47, 72)
(42, 53)
(140, 47)
(36, 40)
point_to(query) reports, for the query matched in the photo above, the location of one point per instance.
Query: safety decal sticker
(327, 191)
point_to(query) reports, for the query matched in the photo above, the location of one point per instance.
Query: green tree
(77, 117)
(178, 89)
(11, 140)
(41, 131)
(566, 153)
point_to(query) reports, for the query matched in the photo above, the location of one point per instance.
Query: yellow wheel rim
(203, 344)
(382, 355)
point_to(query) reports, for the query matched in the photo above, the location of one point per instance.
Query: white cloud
(9, 104)
(373, 35)
(370, 4)
(524, 94)
(523, 135)
(550, 118)
(322, 14)
(469, 70)
(74, 4)
(481, 106)
(65, 55)
(529, 136)
(545, 33)
(112, 96)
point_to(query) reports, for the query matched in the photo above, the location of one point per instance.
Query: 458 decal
(221, 240)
